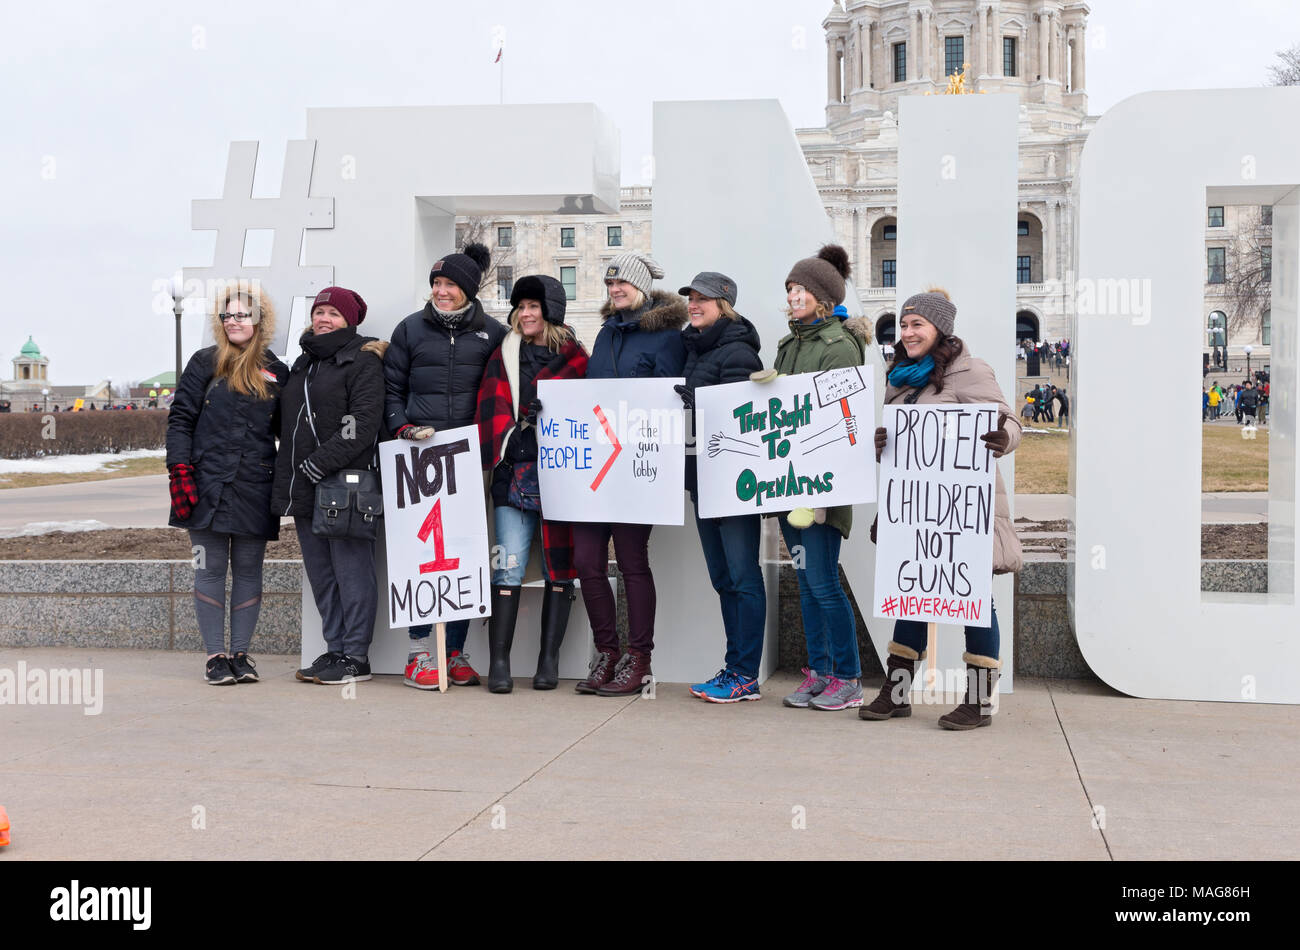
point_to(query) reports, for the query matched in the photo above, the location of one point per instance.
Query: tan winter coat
(967, 380)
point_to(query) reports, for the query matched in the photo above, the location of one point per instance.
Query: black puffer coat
(432, 374)
(726, 352)
(229, 438)
(346, 375)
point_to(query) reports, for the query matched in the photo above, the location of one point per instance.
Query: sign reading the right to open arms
(799, 441)
(934, 557)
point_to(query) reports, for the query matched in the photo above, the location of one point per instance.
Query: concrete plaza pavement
(175, 769)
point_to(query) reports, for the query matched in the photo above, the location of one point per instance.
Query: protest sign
(790, 443)
(436, 528)
(611, 450)
(934, 557)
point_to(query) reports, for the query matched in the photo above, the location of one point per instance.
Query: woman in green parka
(819, 340)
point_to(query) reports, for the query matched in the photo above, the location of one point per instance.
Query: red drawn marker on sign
(618, 447)
(433, 522)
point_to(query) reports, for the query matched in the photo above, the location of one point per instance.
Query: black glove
(688, 397)
(881, 437)
(531, 410)
(999, 438)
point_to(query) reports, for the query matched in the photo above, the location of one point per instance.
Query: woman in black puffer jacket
(723, 347)
(220, 453)
(433, 370)
(341, 374)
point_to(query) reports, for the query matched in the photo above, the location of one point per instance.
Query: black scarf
(321, 346)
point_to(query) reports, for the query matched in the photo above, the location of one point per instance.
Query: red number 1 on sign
(434, 523)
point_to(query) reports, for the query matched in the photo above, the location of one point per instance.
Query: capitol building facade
(877, 51)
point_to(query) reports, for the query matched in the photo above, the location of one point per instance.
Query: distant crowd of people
(1248, 399)
(1046, 404)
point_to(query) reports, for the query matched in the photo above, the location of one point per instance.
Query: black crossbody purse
(350, 502)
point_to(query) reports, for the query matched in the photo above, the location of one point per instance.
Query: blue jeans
(828, 624)
(981, 641)
(731, 552)
(515, 530)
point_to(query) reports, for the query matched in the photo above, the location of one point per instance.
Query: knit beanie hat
(637, 269)
(823, 276)
(547, 291)
(933, 306)
(346, 302)
(464, 269)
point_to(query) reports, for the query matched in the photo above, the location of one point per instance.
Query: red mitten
(185, 491)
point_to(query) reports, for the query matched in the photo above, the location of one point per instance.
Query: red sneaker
(422, 672)
(459, 670)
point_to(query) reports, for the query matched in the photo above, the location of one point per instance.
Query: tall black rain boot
(556, 602)
(501, 635)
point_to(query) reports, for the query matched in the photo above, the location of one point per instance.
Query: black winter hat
(464, 269)
(547, 291)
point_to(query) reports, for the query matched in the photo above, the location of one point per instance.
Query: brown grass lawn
(123, 469)
(1228, 462)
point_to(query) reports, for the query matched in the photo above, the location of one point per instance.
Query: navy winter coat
(432, 374)
(229, 438)
(644, 342)
(726, 352)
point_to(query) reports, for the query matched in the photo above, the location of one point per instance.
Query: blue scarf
(915, 374)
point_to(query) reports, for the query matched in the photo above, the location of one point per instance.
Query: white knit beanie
(637, 269)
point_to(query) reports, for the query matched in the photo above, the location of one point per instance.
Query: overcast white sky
(116, 115)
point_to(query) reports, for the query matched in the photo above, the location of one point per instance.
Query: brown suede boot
(602, 671)
(892, 700)
(631, 676)
(981, 683)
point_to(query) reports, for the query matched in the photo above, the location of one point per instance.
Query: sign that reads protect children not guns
(611, 450)
(934, 557)
(436, 527)
(797, 442)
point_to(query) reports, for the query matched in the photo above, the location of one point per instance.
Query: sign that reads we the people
(938, 491)
(611, 450)
(435, 522)
(800, 441)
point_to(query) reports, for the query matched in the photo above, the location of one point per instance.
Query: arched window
(886, 331)
(1026, 326)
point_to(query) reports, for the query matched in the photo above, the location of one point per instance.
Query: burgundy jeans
(632, 551)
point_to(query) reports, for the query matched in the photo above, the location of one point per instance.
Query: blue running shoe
(697, 690)
(733, 688)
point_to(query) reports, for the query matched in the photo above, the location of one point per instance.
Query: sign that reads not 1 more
(934, 560)
(611, 450)
(436, 528)
(796, 442)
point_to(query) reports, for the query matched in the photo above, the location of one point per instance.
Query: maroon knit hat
(346, 302)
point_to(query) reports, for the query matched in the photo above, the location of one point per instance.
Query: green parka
(813, 347)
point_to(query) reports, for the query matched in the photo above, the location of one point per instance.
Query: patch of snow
(47, 527)
(75, 464)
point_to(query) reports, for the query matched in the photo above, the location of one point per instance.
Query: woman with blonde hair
(221, 458)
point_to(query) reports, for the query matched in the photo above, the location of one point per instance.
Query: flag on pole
(500, 50)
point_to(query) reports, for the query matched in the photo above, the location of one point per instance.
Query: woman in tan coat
(932, 366)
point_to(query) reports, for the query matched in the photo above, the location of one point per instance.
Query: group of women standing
(450, 364)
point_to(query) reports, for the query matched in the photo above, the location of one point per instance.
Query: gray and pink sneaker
(838, 694)
(813, 684)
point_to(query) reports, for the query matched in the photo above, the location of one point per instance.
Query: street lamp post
(1249, 349)
(178, 308)
(45, 400)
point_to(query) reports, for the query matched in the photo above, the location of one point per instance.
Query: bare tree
(1248, 273)
(1288, 73)
(472, 229)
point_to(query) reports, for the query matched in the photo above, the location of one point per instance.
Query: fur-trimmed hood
(860, 327)
(662, 311)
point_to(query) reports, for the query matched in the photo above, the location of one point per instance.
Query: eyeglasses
(238, 317)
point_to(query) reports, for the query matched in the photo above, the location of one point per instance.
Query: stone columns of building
(832, 72)
(926, 29)
(862, 270)
(1054, 46)
(995, 38)
(1044, 44)
(864, 49)
(981, 29)
(1077, 81)
(914, 49)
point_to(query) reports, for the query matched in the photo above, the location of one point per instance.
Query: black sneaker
(344, 669)
(219, 672)
(308, 674)
(245, 670)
